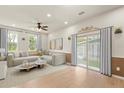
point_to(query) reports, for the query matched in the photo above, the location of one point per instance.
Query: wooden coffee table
(26, 67)
(31, 65)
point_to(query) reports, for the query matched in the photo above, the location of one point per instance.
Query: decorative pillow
(24, 54)
(2, 58)
(17, 54)
(12, 53)
(50, 53)
(46, 52)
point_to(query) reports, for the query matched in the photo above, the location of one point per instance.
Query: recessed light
(13, 25)
(48, 15)
(66, 22)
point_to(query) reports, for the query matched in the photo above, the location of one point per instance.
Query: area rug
(15, 77)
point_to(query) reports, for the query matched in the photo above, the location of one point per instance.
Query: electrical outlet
(117, 68)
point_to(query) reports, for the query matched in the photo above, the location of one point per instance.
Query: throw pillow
(46, 52)
(24, 54)
(12, 53)
(17, 54)
(2, 58)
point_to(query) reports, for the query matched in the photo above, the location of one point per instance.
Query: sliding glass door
(88, 50)
(82, 50)
(94, 51)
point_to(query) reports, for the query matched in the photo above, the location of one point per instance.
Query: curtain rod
(94, 30)
(106, 27)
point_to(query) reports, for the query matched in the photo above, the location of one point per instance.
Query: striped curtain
(106, 50)
(74, 49)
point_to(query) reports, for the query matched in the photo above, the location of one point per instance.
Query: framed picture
(56, 44)
(52, 44)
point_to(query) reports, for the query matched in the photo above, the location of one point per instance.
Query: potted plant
(118, 31)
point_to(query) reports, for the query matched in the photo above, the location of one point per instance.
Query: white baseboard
(67, 63)
(119, 77)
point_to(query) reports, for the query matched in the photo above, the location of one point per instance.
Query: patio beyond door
(88, 50)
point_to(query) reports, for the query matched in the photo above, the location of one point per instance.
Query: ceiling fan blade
(44, 29)
(45, 26)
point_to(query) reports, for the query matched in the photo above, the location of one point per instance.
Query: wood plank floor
(74, 77)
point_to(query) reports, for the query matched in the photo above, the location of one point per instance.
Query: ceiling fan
(43, 27)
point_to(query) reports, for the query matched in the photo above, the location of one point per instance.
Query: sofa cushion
(20, 60)
(46, 52)
(11, 53)
(26, 58)
(17, 54)
(2, 58)
(47, 58)
(24, 54)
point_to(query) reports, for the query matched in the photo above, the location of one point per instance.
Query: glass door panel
(82, 50)
(88, 50)
(94, 51)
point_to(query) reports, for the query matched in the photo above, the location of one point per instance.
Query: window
(12, 41)
(32, 42)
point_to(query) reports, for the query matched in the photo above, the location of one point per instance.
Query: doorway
(88, 50)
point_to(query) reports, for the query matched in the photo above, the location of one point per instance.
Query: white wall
(113, 18)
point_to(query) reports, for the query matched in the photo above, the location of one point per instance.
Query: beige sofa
(13, 60)
(55, 58)
(52, 59)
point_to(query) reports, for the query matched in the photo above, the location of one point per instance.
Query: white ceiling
(27, 16)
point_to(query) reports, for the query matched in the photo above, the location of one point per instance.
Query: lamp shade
(2, 50)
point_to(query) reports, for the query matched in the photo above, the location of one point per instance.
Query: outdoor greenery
(94, 62)
(88, 50)
(13, 44)
(12, 41)
(32, 42)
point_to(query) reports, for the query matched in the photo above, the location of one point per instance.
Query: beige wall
(113, 18)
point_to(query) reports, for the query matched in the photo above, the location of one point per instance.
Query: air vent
(80, 13)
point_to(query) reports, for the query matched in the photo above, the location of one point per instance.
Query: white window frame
(8, 41)
(29, 42)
